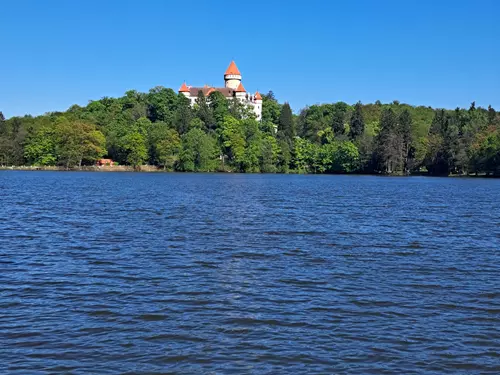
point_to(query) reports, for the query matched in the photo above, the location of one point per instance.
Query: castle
(233, 88)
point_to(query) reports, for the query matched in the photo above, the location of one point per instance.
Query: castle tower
(232, 77)
(258, 106)
(240, 92)
(184, 90)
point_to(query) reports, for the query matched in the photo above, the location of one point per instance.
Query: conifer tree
(204, 112)
(357, 123)
(2, 123)
(405, 124)
(491, 115)
(389, 145)
(183, 115)
(286, 127)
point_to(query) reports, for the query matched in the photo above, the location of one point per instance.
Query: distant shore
(86, 168)
(155, 169)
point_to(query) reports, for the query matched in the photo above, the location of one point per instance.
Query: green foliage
(286, 126)
(167, 148)
(485, 151)
(163, 128)
(269, 154)
(357, 122)
(198, 152)
(271, 111)
(338, 118)
(41, 147)
(77, 141)
(388, 144)
(332, 157)
(162, 104)
(134, 146)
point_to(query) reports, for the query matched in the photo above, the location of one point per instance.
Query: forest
(161, 128)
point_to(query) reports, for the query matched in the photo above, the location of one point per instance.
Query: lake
(136, 273)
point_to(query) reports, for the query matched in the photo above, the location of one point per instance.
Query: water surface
(110, 273)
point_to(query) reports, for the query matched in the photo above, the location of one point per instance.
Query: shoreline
(155, 169)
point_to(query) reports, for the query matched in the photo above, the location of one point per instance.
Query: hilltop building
(233, 88)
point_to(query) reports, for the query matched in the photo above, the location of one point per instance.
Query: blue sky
(442, 53)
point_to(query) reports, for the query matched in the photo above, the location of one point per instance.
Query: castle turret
(258, 105)
(232, 77)
(240, 92)
(184, 90)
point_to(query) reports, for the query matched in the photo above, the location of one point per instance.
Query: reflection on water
(182, 273)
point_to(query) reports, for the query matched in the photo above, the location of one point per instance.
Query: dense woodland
(161, 128)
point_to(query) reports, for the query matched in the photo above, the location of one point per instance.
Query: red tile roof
(232, 69)
(184, 88)
(226, 91)
(241, 88)
(257, 96)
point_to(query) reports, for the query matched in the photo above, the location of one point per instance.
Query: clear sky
(442, 53)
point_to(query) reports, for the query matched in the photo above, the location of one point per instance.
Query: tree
(486, 151)
(286, 128)
(438, 158)
(405, 130)
(183, 115)
(269, 154)
(41, 147)
(198, 152)
(389, 145)
(219, 106)
(167, 148)
(338, 119)
(313, 121)
(357, 123)
(491, 115)
(233, 141)
(134, 145)
(162, 104)
(204, 112)
(78, 141)
(253, 146)
(271, 111)
(339, 157)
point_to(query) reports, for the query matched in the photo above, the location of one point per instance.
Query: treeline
(161, 128)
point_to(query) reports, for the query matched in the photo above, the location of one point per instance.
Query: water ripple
(220, 274)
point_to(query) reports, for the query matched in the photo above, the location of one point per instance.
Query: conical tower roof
(184, 88)
(258, 96)
(232, 69)
(240, 88)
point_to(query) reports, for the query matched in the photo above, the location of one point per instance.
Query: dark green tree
(183, 115)
(491, 115)
(204, 112)
(219, 107)
(357, 123)
(338, 119)
(405, 130)
(198, 152)
(271, 111)
(162, 104)
(389, 144)
(438, 158)
(286, 128)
